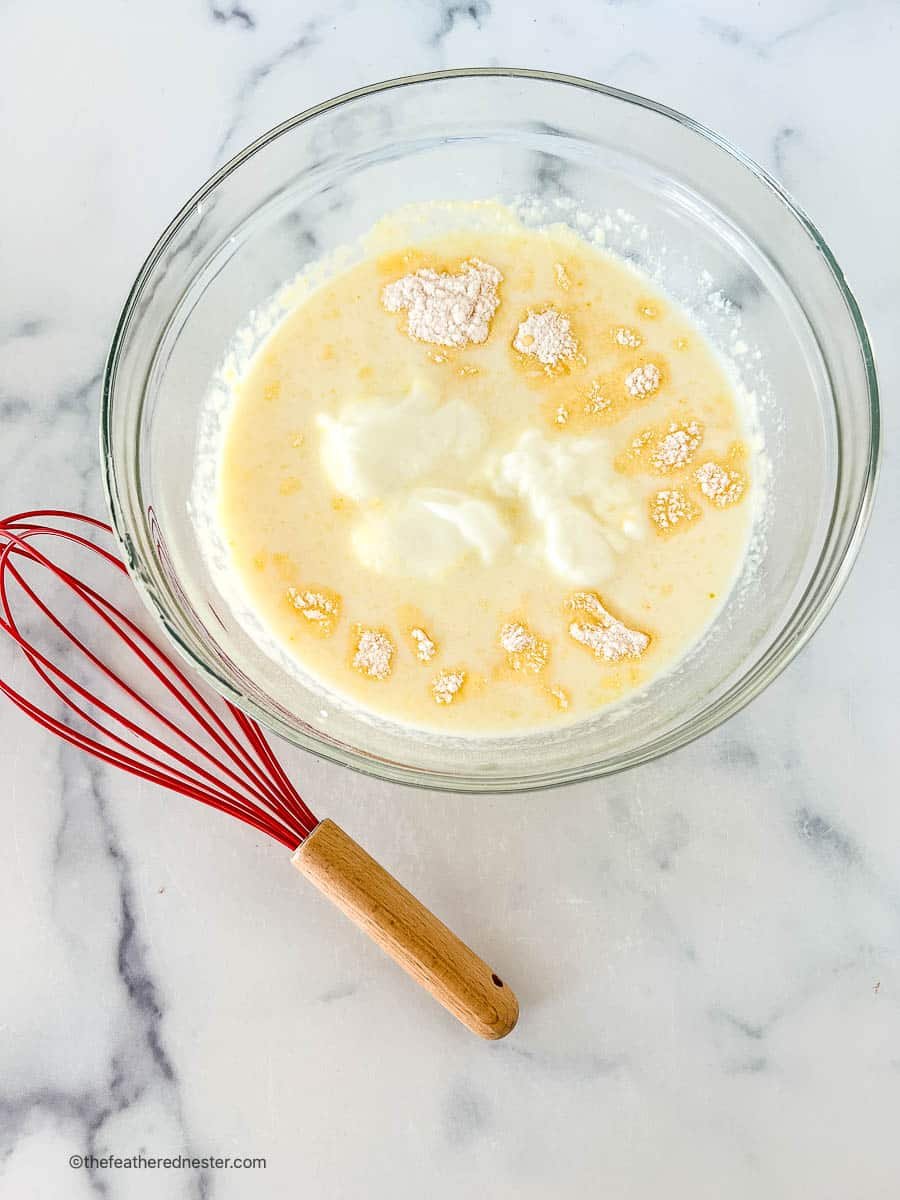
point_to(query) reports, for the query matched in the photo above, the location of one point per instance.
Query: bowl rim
(747, 688)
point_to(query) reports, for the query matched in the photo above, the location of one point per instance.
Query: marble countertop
(707, 950)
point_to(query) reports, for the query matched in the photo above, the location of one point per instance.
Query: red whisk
(208, 750)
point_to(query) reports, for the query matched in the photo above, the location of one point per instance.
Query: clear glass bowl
(717, 224)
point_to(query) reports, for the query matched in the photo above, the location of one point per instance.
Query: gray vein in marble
(578, 1068)
(733, 35)
(746, 1066)
(30, 327)
(756, 1032)
(662, 844)
(634, 60)
(801, 28)
(306, 39)
(303, 234)
(782, 140)
(140, 1063)
(465, 1115)
(237, 14)
(736, 1060)
(549, 170)
(340, 991)
(130, 960)
(738, 754)
(13, 407)
(828, 842)
(78, 401)
(453, 14)
(75, 399)
(185, 246)
(81, 1109)
(753, 1032)
(674, 837)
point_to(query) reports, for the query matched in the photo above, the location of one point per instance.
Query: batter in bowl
(486, 482)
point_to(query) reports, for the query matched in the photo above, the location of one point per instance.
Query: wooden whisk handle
(423, 946)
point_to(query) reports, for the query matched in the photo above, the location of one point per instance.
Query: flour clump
(447, 309)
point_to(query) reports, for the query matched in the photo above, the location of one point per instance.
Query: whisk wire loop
(241, 776)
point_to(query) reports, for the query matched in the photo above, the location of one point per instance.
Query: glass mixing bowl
(721, 237)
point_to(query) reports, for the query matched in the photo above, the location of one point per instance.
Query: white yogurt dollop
(429, 531)
(584, 513)
(392, 455)
(376, 448)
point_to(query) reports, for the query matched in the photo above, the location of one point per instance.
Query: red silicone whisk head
(107, 688)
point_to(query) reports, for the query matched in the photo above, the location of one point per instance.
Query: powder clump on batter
(447, 309)
(643, 381)
(722, 486)
(524, 651)
(631, 458)
(425, 646)
(374, 654)
(666, 450)
(630, 338)
(671, 509)
(596, 402)
(320, 608)
(677, 447)
(603, 634)
(447, 686)
(547, 336)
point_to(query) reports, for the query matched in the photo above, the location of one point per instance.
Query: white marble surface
(707, 951)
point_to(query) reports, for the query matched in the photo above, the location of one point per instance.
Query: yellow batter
(495, 535)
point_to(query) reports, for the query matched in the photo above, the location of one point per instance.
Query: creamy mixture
(485, 483)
